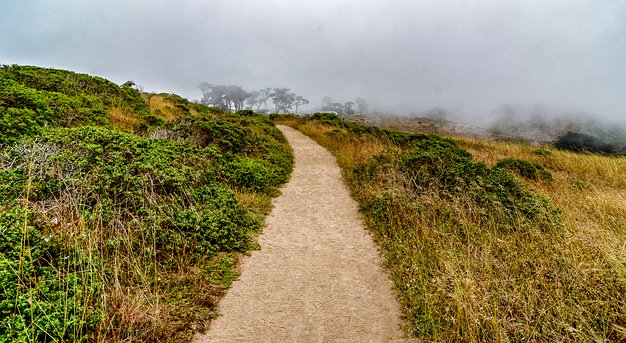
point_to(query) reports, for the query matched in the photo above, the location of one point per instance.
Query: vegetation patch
(127, 230)
(527, 169)
(476, 254)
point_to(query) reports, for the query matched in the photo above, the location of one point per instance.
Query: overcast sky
(469, 57)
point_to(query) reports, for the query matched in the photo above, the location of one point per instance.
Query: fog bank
(469, 57)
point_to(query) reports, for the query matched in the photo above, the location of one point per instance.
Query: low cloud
(469, 57)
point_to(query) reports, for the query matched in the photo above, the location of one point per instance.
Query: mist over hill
(579, 132)
(470, 57)
(547, 128)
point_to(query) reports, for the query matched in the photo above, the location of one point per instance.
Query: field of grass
(490, 241)
(122, 215)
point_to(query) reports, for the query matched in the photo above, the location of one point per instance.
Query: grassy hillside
(490, 242)
(122, 215)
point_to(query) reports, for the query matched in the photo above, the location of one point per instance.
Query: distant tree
(264, 96)
(225, 97)
(283, 100)
(253, 100)
(207, 93)
(236, 96)
(334, 107)
(214, 96)
(299, 101)
(221, 97)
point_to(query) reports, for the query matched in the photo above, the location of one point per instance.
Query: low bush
(526, 169)
(437, 167)
(248, 113)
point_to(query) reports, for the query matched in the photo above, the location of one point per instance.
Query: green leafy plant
(527, 169)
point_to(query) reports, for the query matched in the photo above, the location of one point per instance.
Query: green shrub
(214, 222)
(16, 123)
(228, 136)
(326, 117)
(526, 169)
(249, 174)
(248, 113)
(285, 116)
(152, 121)
(436, 165)
(45, 288)
(57, 98)
(72, 84)
(542, 152)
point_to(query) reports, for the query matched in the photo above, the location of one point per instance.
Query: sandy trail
(318, 275)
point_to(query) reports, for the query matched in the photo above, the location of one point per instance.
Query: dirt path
(317, 277)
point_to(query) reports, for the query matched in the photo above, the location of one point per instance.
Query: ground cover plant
(489, 241)
(122, 218)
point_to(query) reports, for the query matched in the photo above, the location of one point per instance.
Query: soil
(318, 276)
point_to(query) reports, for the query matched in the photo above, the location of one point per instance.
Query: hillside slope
(121, 220)
(489, 241)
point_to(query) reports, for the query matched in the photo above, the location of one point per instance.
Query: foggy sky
(470, 57)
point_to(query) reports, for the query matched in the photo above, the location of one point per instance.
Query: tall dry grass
(124, 119)
(168, 107)
(461, 277)
(590, 191)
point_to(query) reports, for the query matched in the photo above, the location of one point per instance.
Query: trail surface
(318, 276)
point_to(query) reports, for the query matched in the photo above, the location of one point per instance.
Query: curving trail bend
(318, 275)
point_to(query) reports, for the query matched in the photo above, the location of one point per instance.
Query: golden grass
(590, 189)
(163, 107)
(581, 166)
(124, 120)
(351, 154)
(461, 278)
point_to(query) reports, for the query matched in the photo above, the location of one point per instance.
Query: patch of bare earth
(318, 275)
